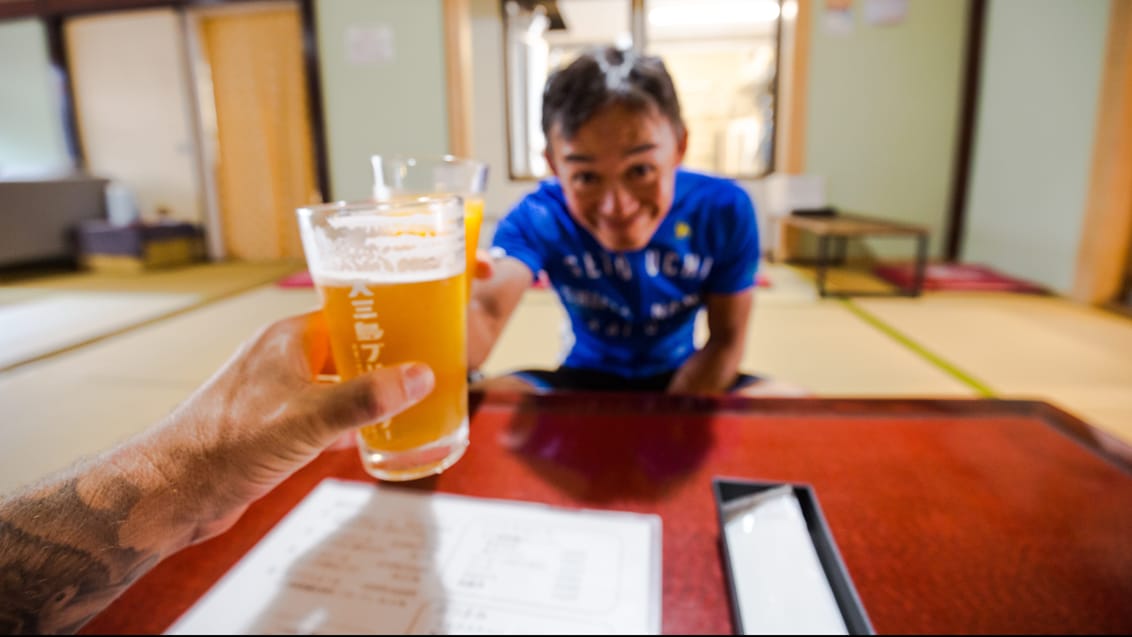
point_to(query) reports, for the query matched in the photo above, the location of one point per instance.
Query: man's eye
(585, 179)
(640, 171)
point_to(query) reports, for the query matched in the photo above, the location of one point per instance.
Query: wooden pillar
(458, 73)
(1107, 232)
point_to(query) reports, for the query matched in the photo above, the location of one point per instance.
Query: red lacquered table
(952, 516)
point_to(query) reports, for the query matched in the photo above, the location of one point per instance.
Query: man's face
(618, 173)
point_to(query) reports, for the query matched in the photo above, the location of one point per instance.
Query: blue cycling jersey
(633, 313)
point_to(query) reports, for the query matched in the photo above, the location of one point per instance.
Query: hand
(263, 416)
(501, 282)
(485, 263)
(74, 541)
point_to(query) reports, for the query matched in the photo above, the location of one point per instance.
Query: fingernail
(419, 380)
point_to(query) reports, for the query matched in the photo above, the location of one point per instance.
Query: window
(722, 55)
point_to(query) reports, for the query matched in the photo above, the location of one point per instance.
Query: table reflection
(597, 455)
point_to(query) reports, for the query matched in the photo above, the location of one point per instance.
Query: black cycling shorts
(572, 378)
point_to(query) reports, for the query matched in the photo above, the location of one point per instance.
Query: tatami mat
(189, 347)
(210, 280)
(9, 295)
(852, 278)
(42, 325)
(1076, 357)
(44, 315)
(61, 408)
(830, 352)
(532, 339)
(55, 416)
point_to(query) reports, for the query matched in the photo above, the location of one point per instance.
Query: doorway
(133, 109)
(256, 126)
(201, 112)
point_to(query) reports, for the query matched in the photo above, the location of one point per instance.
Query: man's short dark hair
(604, 76)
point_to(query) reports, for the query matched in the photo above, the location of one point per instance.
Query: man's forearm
(492, 302)
(712, 369)
(482, 334)
(69, 546)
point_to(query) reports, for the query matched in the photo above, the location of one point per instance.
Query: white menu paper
(356, 558)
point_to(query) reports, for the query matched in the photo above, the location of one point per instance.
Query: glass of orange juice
(437, 174)
(390, 275)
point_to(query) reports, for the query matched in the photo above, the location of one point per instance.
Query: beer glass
(441, 174)
(390, 275)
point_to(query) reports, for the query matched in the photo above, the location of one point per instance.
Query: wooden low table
(959, 516)
(838, 228)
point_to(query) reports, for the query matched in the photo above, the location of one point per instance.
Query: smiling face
(618, 173)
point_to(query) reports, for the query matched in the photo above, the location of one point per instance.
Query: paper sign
(369, 45)
(882, 12)
(839, 17)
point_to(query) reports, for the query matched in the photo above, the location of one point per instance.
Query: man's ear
(549, 157)
(547, 152)
(681, 144)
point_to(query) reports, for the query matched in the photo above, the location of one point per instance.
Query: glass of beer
(390, 275)
(395, 175)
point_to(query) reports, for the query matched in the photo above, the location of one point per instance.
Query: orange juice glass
(395, 175)
(390, 275)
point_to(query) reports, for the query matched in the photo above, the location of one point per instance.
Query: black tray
(852, 612)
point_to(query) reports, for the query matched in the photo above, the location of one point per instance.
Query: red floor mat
(296, 280)
(957, 277)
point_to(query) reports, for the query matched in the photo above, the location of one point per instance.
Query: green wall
(882, 114)
(1042, 68)
(31, 130)
(394, 106)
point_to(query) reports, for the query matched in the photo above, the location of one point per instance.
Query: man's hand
(263, 416)
(485, 265)
(714, 368)
(72, 543)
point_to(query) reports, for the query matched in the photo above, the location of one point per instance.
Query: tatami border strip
(939, 362)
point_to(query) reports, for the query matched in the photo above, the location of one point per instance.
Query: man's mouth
(621, 224)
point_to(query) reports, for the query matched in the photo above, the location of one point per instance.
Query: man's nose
(617, 201)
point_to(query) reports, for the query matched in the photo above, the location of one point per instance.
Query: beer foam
(391, 222)
(404, 257)
(347, 278)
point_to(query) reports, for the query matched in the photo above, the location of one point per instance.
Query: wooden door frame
(793, 79)
(1106, 231)
(191, 17)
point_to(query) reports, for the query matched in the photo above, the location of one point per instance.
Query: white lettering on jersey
(591, 266)
(669, 309)
(652, 262)
(571, 263)
(705, 269)
(691, 267)
(624, 270)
